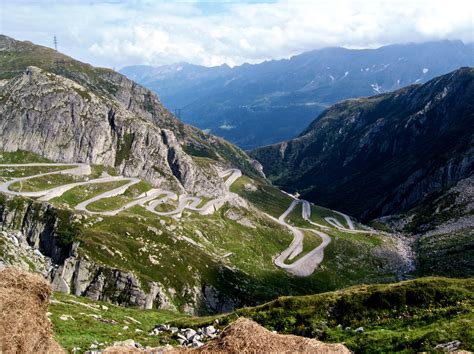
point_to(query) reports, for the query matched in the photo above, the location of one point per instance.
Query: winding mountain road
(192, 203)
(308, 263)
(150, 200)
(185, 201)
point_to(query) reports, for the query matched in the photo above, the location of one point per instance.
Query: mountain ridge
(279, 98)
(150, 218)
(356, 140)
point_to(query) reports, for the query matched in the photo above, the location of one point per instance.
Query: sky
(117, 33)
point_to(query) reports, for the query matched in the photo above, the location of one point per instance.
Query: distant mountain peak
(279, 98)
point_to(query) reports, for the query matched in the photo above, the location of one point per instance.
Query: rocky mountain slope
(72, 112)
(443, 229)
(279, 98)
(146, 245)
(184, 261)
(382, 155)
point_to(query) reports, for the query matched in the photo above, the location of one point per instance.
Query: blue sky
(216, 7)
(118, 33)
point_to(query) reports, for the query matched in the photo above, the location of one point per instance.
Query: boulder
(189, 333)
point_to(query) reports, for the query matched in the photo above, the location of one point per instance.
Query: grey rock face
(217, 302)
(422, 182)
(82, 277)
(35, 222)
(16, 252)
(62, 120)
(157, 298)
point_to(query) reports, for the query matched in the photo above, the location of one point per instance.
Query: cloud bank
(116, 33)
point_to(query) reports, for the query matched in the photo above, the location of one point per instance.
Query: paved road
(76, 169)
(307, 264)
(338, 225)
(112, 193)
(304, 266)
(184, 202)
(191, 202)
(306, 215)
(141, 200)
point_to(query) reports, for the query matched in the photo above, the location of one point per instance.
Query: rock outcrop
(80, 276)
(69, 111)
(36, 224)
(64, 121)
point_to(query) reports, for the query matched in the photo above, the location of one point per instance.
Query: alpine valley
(153, 231)
(404, 160)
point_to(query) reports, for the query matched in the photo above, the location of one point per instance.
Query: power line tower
(55, 41)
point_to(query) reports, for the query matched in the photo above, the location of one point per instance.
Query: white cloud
(227, 127)
(118, 33)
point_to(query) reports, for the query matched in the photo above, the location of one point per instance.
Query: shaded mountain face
(256, 105)
(382, 155)
(69, 111)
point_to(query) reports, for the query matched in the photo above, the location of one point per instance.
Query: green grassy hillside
(230, 251)
(410, 316)
(78, 322)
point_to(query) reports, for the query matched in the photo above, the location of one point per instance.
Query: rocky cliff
(68, 111)
(384, 154)
(45, 240)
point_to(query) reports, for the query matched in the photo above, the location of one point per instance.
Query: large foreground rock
(24, 326)
(247, 336)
